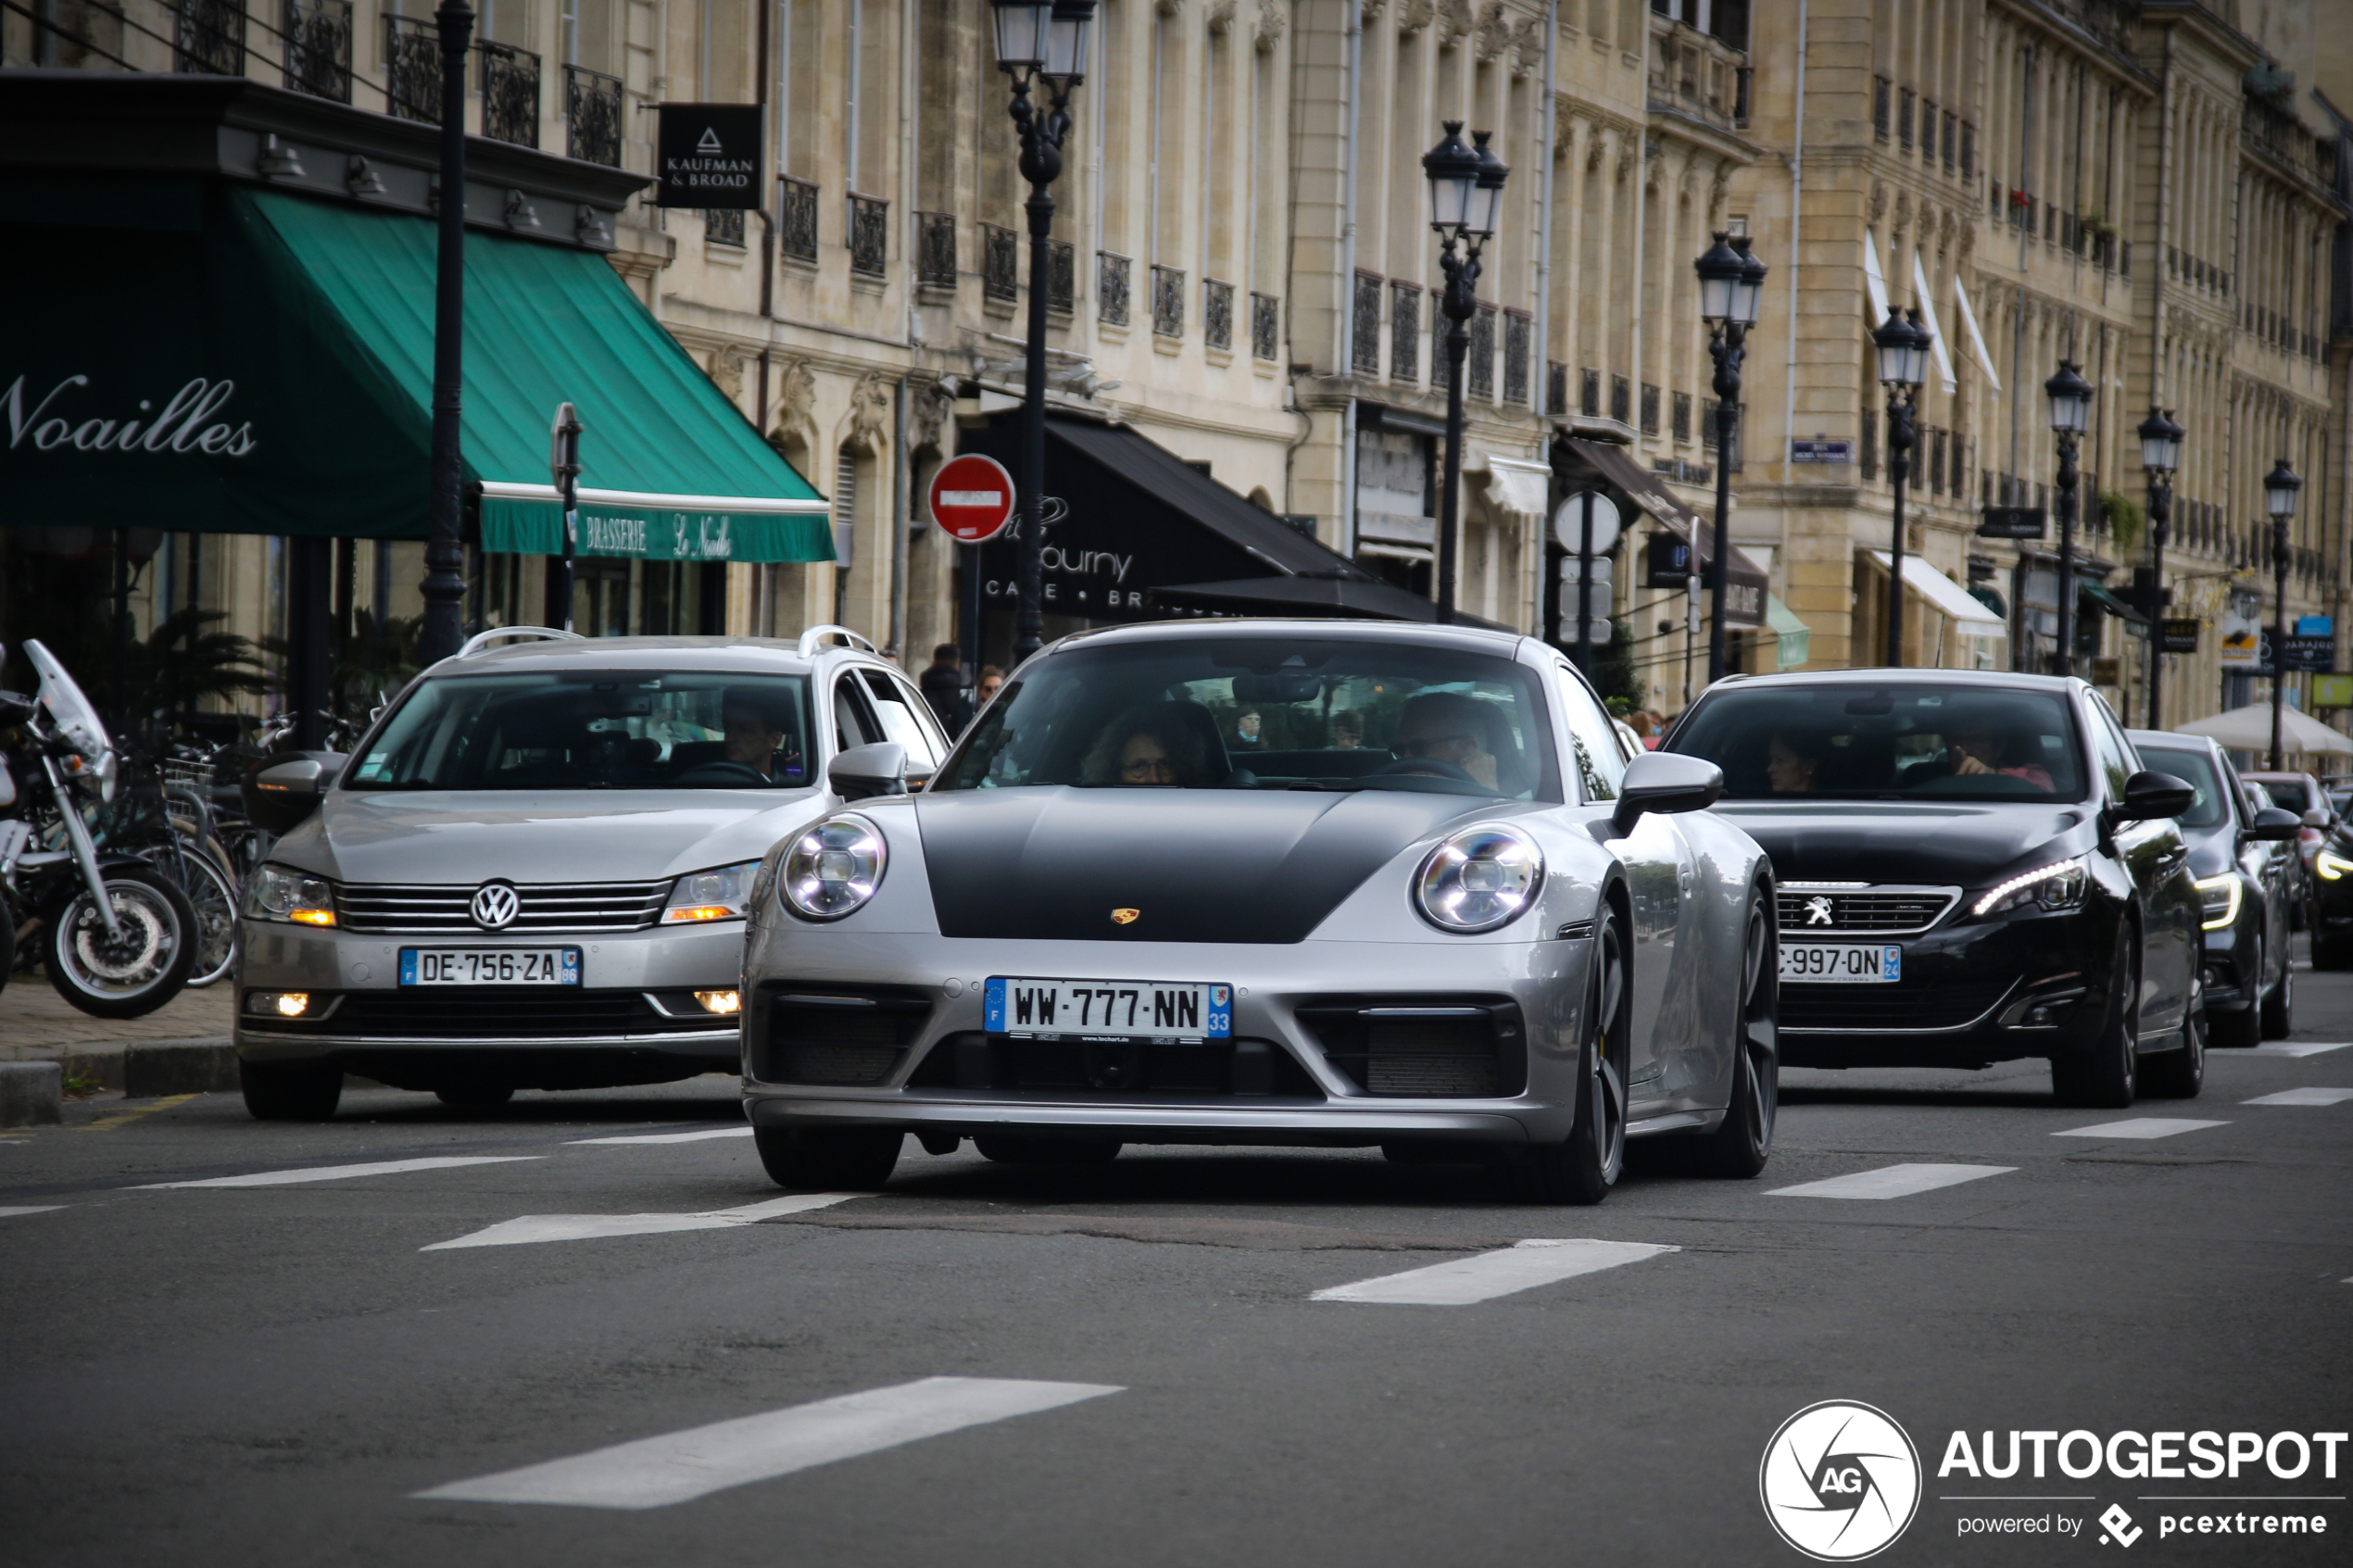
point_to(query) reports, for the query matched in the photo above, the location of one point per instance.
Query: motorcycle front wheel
(136, 972)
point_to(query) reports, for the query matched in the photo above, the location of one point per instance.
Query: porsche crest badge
(1125, 917)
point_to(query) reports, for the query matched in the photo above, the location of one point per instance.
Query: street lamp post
(444, 585)
(1903, 363)
(2160, 457)
(1466, 193)
(1038, 41)
(1731, 283)
(2279, 499)
(2071, 397)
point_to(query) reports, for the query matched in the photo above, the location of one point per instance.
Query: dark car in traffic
(2243, 859)
(1972, 867)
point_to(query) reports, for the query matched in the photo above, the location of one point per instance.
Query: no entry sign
(971, 499)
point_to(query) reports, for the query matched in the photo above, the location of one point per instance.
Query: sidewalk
(190, 1032)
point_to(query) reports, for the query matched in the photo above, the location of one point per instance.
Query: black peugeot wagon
(1973, 868)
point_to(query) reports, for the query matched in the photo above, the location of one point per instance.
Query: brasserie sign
(62, 419)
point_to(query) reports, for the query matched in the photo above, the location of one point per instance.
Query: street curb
(32, 1094)
(179, 1067)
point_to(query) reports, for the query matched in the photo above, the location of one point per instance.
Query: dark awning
(1745, 583)
(2107, 599)
(1339, 597)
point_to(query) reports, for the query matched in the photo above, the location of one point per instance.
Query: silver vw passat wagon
(532, 871)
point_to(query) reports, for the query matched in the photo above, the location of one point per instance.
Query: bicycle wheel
(211, 893)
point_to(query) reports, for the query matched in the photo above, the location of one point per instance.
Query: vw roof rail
(814, 638)
(480, 642)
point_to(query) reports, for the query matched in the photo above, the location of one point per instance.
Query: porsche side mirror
(2153, 795)
(2276, 825)
(864, 771)
(1666, 780)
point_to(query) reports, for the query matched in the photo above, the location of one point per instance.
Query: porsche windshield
(595, 729)
(1893, 742)
(1266, 714)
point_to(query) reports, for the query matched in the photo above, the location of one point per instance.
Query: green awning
(1793, 639)
(261, 362)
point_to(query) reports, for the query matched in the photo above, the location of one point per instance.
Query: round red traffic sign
(971, 499)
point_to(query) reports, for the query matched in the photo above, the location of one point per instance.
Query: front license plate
(1153, 1011)
(1843, 963)
(490, 966)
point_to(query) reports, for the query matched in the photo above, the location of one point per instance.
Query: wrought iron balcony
(1518, 329)
(869, 236)
(208, 39)
(319, 48)
(412, 69)
(935, 249)
(1555, 389)
(1405, 333)
(1265, 326)
(1111, 288)
(999, 263)
(797, 219)
(592, 116)
(723, 225)
(1168, 301)
(1216, 313)
(1694, 74)
(1062, 275)
(1480, 381)
(1365, 325)
(509, 93)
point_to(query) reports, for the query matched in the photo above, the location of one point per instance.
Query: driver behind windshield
(1151, 747)
(1981, 746)
(754, 732)
(1449, 728)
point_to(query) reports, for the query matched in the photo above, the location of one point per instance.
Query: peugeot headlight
(1479, 878)
(834, 868)
(2331, 865)
(282, 893)
(723, 894)
(2059, 885)
(2219, 896)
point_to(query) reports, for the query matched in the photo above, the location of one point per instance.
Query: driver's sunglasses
(1430, 745)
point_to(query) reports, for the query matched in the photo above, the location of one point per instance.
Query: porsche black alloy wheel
(2106, 1076)
(1013, 1149)
(846, 1160)
(292, 1092)
(2179, 1075)
(1739, 1147)
(1582, 1168)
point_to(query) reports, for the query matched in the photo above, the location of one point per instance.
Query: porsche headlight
(2331, 865)
(282, 893)
(2219, 896)
(2059, 885)
(1479, 878)
(834, 868)
(723, 894)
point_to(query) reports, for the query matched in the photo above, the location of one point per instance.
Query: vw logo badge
(496, 906)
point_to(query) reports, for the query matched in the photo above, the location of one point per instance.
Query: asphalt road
(271, 1373)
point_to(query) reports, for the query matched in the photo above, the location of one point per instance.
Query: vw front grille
(1818, 910)
(547, 908)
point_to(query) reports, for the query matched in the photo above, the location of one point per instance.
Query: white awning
(1955, 601)
(1513, 484)
(1874, 282)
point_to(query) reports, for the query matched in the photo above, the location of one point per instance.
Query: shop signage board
(2332, 691)
(2309, 653)
(709, 156)
(971, 499)
(2011, 522)
(2180, 633)
(1667, 563)
(2243, 636)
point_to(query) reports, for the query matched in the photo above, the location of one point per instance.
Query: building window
(1216, 313)
(1111, 288)
(1062, 275)
(1589, 393)
(319, 53)
(509, 93)
(999, 263)
(1650, 409)
(592, 112)
(1968, 149)
(1622, 400)
(1168, 301)
(1482, 381)
(1868, 458)
(1707, 424)
(869, 236)
(723, 225)
(1927, 130)
(1555, 390)
(935, 249)
(1363, 325)
(412, 66)
(797, 219)
(209, 39)
(1264, 326)
(1904, 120)
(1952, 123)
(845, 509)
(1404, 332)
(1882, 97)
(1518, 327)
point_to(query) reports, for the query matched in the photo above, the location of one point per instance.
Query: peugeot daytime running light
(723, 893)
(834, 868)
(1479, 878)
(282, 893)
(2331, 865)
(2219, 896)
(2059, 885)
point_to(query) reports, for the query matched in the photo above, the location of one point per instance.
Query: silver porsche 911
(1277, 882)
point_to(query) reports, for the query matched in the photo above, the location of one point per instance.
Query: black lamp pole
(443, 631)
(2071, 397)
(1466, 190)
(1903, 348)
(1731, 281)
(2161, 455)
(2279, 499)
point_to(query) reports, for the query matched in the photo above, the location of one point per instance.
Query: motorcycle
(116, 937)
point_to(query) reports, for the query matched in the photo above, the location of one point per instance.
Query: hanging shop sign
(1667, 563)
(2011, 522)
(2332, 691)
(2308, 654)
(2244, 641)
(709, 156)
(2180, 633)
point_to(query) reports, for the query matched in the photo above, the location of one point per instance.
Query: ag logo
(495, 906)
(1840, 1481)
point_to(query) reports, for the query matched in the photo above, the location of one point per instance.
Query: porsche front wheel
(1739, 1147)
(1582, 1168)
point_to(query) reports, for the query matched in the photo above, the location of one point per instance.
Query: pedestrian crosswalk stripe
(1891, 1181)
(674, 1137)
(681, 1466)
(32, 1209)
(2283, 1047)
(588, 1227)
(1522, 1266)
(2302, 1097)
(2140, 1127)
(341, 1173)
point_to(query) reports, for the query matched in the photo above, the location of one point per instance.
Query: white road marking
(672, 1137)
(340, 1173)
(587, 1227)
(2283, 1047)
(1522, 1266)
(2140, 1127)
(1891, 1181)
(2302, 1097)
(34, 1209)
(681, 1466)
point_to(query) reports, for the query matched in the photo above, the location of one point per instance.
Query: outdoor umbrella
(2249, 729)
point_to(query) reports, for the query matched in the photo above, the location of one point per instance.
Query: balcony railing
(1698, 75)
(209, 38)
(1518, 327)
(1968, 149)
(1404, 332)
(797, 219)
(412, 69)
(1650, 409)
(1216, 313)
(509, 93)
(1111, 288)
(592, 116)
(1882, 106)
(1555, 390)
(1062, 275)
(1265, 327)
(1621, 399)
(1168, 301)
(1589, 393)
(1363, 324)
(869, 236)
(935, 249)
(1679, 413)
(1480, 382)
(723, 225)
(319, 48)
(999, 263)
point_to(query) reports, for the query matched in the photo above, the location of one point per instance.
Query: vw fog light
(1479, 878)
(2219, 896)
(2059, 885)
(282, 893)
(720, 1001)
(834, 868)
(721, 894)
(278, 1004)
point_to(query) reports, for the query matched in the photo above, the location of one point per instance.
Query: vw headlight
(2219, 896)
(1479, 878)
(2331, 865)
(2059, 885)
(834, 868)
(282, 893)
(723, 894)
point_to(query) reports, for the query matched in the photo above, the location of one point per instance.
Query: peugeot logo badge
(496, 906)
(1817, 911)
